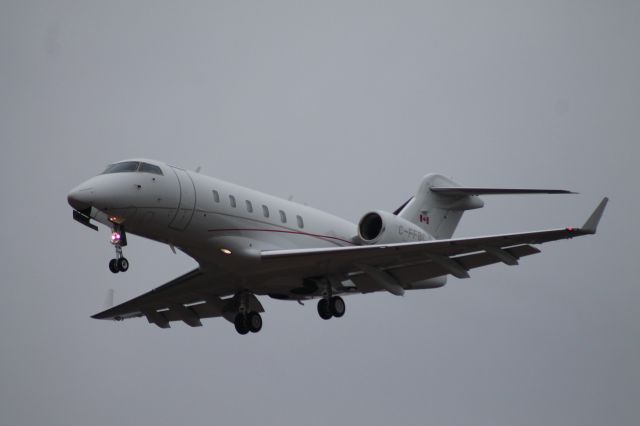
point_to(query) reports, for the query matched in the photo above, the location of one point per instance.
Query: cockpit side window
(126, 166)
(150, 168)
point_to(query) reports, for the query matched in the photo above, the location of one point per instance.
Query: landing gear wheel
(113, 266)
(240, 322)
(324, 310)
(337, 306)
(123, 264)
(254, 322)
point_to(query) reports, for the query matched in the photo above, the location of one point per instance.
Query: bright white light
(225, 251)
(115, 237)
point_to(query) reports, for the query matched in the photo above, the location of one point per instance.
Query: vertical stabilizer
(438, 214)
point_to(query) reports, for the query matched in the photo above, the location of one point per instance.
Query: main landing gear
(246, 321)
(118, 239)
(249, 322)
(329, 307)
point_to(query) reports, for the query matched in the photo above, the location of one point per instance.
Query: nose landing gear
(119, 240)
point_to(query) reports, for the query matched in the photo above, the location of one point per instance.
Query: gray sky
(345, 105)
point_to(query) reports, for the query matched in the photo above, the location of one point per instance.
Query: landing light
(116, 219)
(115, 237)
(225, 251)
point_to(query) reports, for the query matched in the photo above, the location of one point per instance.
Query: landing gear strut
(118, 239)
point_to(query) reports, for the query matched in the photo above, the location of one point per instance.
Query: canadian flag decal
(424, 218)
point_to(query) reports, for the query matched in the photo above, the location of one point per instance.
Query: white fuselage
(206, 217)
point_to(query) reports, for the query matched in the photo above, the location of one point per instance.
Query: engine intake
(380, 227)
(370, 226)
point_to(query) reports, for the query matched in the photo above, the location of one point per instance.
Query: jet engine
(380, 227)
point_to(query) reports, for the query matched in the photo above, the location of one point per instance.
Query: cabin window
(249, 206)
(300, 221)
(265, 211)
(216, 196)
(232, 200)
(283, 217)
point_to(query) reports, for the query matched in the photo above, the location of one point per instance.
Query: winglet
(591, 224)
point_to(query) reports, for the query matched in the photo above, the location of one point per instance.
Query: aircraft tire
(324, 310)
(113, 266)
(123, 264)
(337, 306)
(254, 322)
(240, 323)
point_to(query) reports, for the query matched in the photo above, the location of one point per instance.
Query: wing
(186, 298)
(391, 267)
(394, 267)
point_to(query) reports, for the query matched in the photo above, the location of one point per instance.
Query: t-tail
(440, 202)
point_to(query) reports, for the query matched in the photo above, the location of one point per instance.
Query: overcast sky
(344, 105)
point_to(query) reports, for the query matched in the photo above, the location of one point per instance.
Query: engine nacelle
(380, 227)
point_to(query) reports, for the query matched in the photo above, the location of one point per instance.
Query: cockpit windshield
(150, 168)
(132, 166)
(127, 166)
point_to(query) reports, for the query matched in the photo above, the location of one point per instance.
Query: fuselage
(207, 218)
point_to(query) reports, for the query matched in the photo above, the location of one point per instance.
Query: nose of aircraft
(80, 197)
(104, 192)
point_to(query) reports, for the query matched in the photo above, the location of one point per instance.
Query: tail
(440, 202)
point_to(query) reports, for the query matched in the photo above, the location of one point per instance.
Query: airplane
(250, 244)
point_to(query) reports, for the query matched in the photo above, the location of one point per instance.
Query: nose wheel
(119, 263)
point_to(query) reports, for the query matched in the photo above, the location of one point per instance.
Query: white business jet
(250, 244)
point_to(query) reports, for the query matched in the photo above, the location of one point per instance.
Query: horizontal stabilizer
(461, 190)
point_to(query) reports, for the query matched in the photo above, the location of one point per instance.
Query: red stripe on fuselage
(280, 231)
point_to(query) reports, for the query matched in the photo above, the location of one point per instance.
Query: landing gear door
(187, 203)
